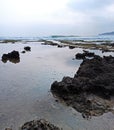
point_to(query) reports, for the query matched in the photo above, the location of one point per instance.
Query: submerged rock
(94, 77)
(39, 125)
(12, 57)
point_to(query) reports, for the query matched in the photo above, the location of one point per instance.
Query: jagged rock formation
(94, 78)
(39, 125)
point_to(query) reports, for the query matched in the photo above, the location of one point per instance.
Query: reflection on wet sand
(15, 61)
(88, 104)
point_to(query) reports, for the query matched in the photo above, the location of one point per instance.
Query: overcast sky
(51, 17)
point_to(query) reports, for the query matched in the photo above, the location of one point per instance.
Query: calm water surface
(25, 89)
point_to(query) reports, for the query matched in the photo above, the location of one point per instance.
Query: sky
(56, 17)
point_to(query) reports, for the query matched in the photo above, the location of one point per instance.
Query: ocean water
(86, 38)
(25, 88)
(60, 37)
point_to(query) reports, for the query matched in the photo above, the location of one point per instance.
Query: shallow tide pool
(25, 88)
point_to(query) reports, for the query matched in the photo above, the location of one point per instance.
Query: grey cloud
(94, 13)
(86, 5)
(84, 17)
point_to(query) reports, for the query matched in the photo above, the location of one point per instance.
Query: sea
(97, 38)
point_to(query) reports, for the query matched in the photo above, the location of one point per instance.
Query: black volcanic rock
(39, 125)
(12, 57)
(95, 77)
(71, 47)
(27, 48)
(23, 52)
(84, 55)
(80, 56)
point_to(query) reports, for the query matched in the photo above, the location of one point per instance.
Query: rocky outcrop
(94, 77)
(39, 125)
(12, 57)
(27, 48)
(71, 47)
(84, 55)
(80, 56)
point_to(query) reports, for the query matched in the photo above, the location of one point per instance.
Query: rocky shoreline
(95, 74)
(90, 90)
(104, 46)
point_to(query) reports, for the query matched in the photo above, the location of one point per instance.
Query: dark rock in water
(38, 125)
(94, 77)
(13, 54)
(23, 52)
(4, 56)
(80, 56)
(71, 47)
(8, 129)
(45, 42)
(12, 57)
(88, 54)
(84, 55)
(27, 48)
(60, 46)
(10, 40)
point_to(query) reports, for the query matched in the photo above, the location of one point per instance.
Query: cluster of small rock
(27, 48)
(14, 56)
